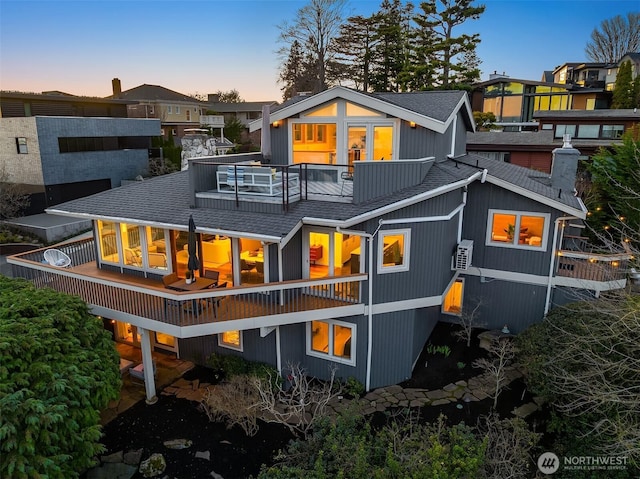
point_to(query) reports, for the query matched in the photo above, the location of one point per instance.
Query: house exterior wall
(280, 144)
(23, 169)
(430, 270)
(517, 305)
(116, 165)
(255, 347)
(460, 147)
(292, 254)
(421, 143)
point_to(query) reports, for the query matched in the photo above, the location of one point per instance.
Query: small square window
(21, 144)
(517, 229)
(330, 339)
(231, 340)
(393, 251)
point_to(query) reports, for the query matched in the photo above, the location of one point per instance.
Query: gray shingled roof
(506, 139)
(165, 200)
(155, 93)
(433, 104)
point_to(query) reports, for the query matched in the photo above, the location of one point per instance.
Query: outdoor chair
(55, 257)
(214, 275)
(345, 176)
(137, 373)
(215, 302)
(168, 279)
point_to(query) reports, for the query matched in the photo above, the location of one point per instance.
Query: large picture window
(516, 229)
(330, 339)
(393, 251)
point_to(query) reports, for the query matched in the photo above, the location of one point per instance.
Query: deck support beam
(147, 362)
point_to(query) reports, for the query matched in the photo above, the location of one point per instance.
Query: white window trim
(330, 356)
(177, 109)
(405, 256)
(518, 215)
(169, 109)
(222, 344)
(450, 313)
(144, 248)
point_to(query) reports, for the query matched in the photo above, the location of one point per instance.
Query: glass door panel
(357, 143)
(382, 142)
(320, 264)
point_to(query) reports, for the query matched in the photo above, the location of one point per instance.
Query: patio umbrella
(193, 263)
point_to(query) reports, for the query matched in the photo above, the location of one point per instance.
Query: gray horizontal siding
(255, 348)
(485, 197)
(420, 143)
(518, 305)
(431, 243)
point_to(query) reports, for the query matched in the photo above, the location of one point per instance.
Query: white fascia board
(408, 304)
(581, 213)
(392, 207)
(171, 226)
(361, 99)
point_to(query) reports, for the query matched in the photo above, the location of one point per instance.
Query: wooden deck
(148, 298)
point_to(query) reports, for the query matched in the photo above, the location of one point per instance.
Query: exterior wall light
(276, 124)
(412, 124)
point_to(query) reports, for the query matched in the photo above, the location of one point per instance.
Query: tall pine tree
(437, 43)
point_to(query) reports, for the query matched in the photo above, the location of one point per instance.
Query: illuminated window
(108, 241)
(131, 246)
(356, 110)
(517, 229)
(156, 248)
(452, 303)
(393, 251)
(231, 340)
(331, 339)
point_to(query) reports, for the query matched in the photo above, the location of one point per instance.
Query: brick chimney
(213, 98)
(564, 166)
(117, 87)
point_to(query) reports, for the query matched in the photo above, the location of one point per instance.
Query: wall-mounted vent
(463, 254)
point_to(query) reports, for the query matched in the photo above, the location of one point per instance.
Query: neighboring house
(514, 101)
(176, 111)
(590, 130)
(56, 156)
(370, 224)
(582, 74)
(245, 112)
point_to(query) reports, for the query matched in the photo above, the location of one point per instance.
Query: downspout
(554, 254)
(369, 300)
(278, 352)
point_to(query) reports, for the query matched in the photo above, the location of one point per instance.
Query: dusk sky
(210, 45)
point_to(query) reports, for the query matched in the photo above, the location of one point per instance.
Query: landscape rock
(178, 444)
(115, 457)
(112, 470)
(133, 458)
(203, 455)
(153, 466)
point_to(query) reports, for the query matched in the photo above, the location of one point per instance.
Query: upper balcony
(578, 267)
(216, 180)
(146, 302)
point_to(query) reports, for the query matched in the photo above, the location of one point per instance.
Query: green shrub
(353, 387)
(348, 447)
(230, 365)
(59, 369)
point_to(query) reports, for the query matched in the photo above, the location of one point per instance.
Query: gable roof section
(532, 184)
(155, 93)
(434, 110)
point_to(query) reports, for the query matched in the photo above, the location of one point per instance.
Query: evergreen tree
(624, 90)
(391, 52)
(59, 369)
(354, 52)
(436, 43)
(615, 177)
(296, 73)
